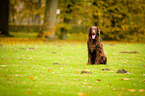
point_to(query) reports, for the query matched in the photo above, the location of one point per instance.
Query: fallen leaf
(97, 80)
(28, 92)
(31, 77)
(141, 90)
(79, 46)
(54, 52)
(143, 80)
(36, 86)
(84, 83)
(3, 65)
(31, 49)
(90, 86)
(39, 93)
(16, 50)
(119, 93)
(76, 79)
(125, 79)
(82, 94)
(115, 89)
(99, 87)
(131, 90)
(48, 70)
(69, 56)
(143, 65)
(105, 69)
(73, 82)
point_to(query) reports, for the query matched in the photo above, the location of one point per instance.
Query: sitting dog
(95, 47)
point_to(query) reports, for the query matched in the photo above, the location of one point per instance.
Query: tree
(4, 11)
(50, 18)
(37, 16)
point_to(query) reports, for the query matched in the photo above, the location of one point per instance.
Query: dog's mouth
(93, 36)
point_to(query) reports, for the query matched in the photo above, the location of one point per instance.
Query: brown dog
(95, 47)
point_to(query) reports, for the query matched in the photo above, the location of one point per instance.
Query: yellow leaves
(49, 33)
(141, 90)
(143, 80)
(48, 70)
(90, 86)
(79, 46)
(31, 77)
(39, 93)
(82, 94)
(3, 65)
(73, 82)
(75, 79)
(125, 79)
(28, 93)
(115, 89)
(119, 93)
(84, 83)
(131, 90)
(16, 50)
(98, 80)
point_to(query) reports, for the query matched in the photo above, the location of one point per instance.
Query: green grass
(24, 34)
(27, 68)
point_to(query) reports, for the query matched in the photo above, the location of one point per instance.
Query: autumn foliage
(117, 19)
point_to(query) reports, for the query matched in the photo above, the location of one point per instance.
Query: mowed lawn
(53, 68)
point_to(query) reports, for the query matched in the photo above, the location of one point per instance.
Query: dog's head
(94, 32)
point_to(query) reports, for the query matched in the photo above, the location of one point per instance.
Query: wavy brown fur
(95, 47)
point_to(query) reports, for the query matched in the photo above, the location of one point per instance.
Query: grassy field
(53, 68)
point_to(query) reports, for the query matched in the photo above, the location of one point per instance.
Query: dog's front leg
(89, 58)
(96, 60)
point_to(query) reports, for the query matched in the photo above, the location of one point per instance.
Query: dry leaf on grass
(3, 65)
(125, 79)
(97, 80)
(131, 90)
(119, 93)
(39, 93)
(141, 90)
(28, 92)
(115, 89)
(82, 94)
(143, 80)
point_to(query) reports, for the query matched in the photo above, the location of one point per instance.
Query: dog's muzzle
(93, 36)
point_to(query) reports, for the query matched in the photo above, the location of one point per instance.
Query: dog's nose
(93, 33)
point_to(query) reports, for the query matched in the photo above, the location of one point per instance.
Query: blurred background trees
(117, 19)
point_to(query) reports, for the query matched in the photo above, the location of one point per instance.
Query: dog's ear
(98, 31)
(89, 30)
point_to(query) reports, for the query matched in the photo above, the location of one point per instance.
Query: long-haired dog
(95, 47)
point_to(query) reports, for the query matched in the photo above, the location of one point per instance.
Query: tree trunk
(4, 17)
(37, 16)
(63, 35)
(50, 18)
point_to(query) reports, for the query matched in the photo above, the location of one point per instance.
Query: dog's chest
(93, 47)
